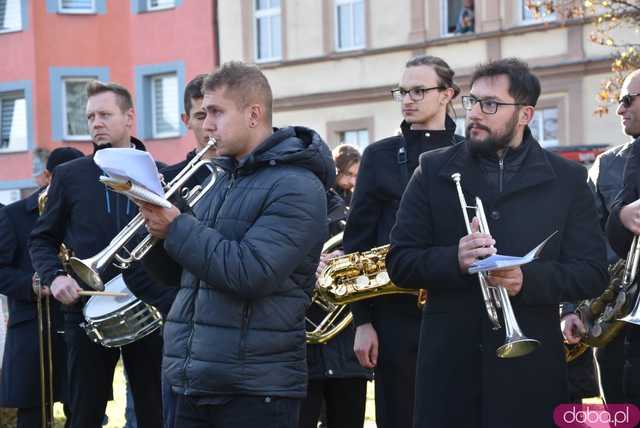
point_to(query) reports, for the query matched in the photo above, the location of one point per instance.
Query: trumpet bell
(517, 348)
(87, 272)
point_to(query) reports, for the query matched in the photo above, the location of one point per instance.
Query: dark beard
(493, 143)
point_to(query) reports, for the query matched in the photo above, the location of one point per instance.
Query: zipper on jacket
(243, 329)
(501, 164)
(187, 360)
(224, 196)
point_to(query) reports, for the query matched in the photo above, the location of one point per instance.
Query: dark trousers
(91, 366)
(345, 403)
(238, 412)
(395, 374)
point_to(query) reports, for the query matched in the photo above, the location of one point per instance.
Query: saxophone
(602, 315)
(357, 276)
(347, 279)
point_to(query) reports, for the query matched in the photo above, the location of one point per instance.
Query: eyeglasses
(486, 106)
(627, 100)
(416, 94)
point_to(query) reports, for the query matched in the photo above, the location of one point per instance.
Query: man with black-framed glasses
(528, 194)
(387, 327)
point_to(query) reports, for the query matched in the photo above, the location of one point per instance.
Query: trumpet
(516, 343)
(89, 270)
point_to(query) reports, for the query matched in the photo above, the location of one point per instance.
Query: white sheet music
(498, 261)
(130, 164)
(133, 173)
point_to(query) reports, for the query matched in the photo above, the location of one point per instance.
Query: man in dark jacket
(154, 293)
(389, 325)
(20, 376)
(528, 194)
(605, 180)
(621, 227)
(86, 215)
(235, 335)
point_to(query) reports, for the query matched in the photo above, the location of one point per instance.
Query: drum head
(98, 306)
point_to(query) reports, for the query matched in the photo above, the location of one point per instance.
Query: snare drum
(118, 321)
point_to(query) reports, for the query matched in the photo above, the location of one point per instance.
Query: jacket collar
(418, 135)
(31, 203)
(137, 144)
(535, 170)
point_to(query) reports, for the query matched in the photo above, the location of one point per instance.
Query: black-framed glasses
(487, 106)
(415, 94)
(627, 100)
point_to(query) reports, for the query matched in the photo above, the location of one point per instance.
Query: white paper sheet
(130, 164)
(498, 261)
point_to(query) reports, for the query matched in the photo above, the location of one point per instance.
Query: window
(74, 103)
(349, 24)
(358, 138)
(77, 6)
(157, 100)
(160, 4)
(69, 101)
(544, 11)
(165, 112)
(267, 30)
(13, 122)
(458, 16)
(544, 126)
(10, 15)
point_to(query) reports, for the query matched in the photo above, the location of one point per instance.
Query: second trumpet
(516, 343)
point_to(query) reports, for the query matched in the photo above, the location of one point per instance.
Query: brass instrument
(44, 333)
(604, 316)
(358, 276)
(516, 343)
(348, 279)
(89, 270)
(337, 318)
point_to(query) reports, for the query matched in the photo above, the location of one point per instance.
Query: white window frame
(63, 97)
(65, 10)
(547, 143)
(355, 46)
(160, 7)
(18, 27)
(444, 19)
(152, 107)
(12, 94)
(523, 21)
(266, 13)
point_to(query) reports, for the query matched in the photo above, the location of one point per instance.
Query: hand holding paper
(498, 261)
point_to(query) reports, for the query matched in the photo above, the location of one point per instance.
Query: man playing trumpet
(528, 194)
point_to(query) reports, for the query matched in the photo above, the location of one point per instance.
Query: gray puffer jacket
(249, 257)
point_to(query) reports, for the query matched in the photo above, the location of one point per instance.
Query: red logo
(596, 416)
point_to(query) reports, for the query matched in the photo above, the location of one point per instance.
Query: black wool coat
(20, 372)
(460, 381)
